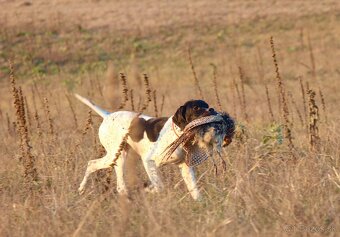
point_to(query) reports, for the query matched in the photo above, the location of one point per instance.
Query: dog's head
(190, 111)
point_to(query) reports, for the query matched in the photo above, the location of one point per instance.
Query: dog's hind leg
(189, 178)
(94, 165)
(119, 168)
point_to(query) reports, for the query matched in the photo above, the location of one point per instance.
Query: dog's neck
(178, 132)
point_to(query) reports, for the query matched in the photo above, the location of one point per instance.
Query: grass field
(271, 187)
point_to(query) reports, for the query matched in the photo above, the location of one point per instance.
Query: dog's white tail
(103, 113)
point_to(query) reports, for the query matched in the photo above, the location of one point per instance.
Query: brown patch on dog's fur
(137, 129)
(152, 127)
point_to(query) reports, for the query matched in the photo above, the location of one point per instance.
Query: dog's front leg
(189, 178)
(151, 170)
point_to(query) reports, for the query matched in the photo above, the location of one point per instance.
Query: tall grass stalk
(217, 96)
(28, 160)
(282, 96)
(197, 84)
(125, 96)
(270, 110)
(243, 101)
(314, 138)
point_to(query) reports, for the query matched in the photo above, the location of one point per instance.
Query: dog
(149, 137)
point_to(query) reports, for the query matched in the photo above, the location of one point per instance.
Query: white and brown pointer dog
(149, 137)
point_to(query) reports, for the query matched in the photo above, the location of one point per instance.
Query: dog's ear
(179, 117)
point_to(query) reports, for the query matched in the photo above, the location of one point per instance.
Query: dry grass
(262, 193)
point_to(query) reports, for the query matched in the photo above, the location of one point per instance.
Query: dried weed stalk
(243, 102)
(296, 108)
(154, 93)
(194, 74)
(38, 126)
(89, 123)
(28, 160)
(110, 84)
(282, 95)
(125, 96)
(323, 105)
(9, 126)
(132, 100)
(269, 104)
(259, 64)
(48, 116)
(37, 92)
(29, 118)
(303, 93)
(72, 110)
(235, 87)
(314, 139)
(147, 93)
(162, 104)
(312, 59)
(217, 97)
(99, 86)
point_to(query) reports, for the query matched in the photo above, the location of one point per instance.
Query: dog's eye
(196, 108)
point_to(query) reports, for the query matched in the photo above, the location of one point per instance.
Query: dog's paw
(81, 190)
(152, 189)
(197, 197)
(122, 191)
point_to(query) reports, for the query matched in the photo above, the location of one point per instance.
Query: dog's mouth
(207, 113)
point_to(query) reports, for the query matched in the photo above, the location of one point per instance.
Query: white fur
(111, 132)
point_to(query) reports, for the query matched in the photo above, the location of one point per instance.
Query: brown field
(268, 188)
